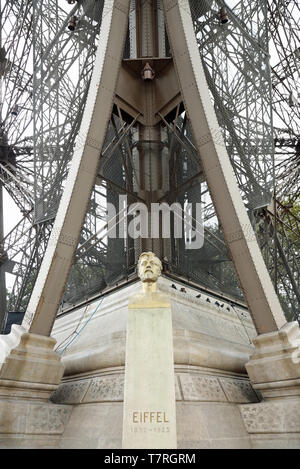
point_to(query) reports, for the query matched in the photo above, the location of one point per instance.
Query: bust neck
(149, 287)
(149, 297)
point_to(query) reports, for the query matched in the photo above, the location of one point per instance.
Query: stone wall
(206, 403)
(211, 347)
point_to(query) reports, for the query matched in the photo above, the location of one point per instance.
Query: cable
(74, 332)
(84, 325)
(242, 322)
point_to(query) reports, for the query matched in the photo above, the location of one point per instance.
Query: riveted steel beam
(50, 284)
(255, 281)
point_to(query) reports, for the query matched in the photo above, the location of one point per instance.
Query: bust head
(149, 267)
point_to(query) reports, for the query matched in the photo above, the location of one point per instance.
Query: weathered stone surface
(272, 417)
(273, 441)
(29, 441)
(201, 388)
(47, 419)
(238, 390)
(274, 367)
(28, 417)
(13, 417)
(28, 365)
(210, 425)
(274, 370)
(149, 395)
(70, 393)
(105, 388)
(97, 425)
(204, 335)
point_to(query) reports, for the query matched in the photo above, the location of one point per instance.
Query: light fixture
(15, 110)
(72, 23)
(292, 100)
(148, 72)
(223, 15)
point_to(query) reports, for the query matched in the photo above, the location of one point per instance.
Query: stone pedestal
(29, 368)
(274, 371)
(149, 416)
(32, 424)
(29, 373)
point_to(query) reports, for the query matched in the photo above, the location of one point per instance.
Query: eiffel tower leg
(28, 365)
(259, 293)
(49, 288)
(274, 367)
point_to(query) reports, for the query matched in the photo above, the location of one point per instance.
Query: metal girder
(259, 292)
(278, 231)
(284, 22)
(27, 264)
(2, 271)
(48, 103)
(236, 65)
(50, 284)
(131, 90)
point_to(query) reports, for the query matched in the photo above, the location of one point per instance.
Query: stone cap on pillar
(274, 367)
(28, 365)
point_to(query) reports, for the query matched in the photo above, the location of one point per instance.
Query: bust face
(149, 267)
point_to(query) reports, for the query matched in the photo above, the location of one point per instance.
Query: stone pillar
(149, 418)
(149, 397)
(274, 371)
(29, 372)
(29, 368)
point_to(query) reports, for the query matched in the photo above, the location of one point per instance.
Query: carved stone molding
(201, 388)
(238, 390)
(19, 417)
(190, 386)
(105, 388)
(272, 417)
(70, 393)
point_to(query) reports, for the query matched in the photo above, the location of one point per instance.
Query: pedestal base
(274, 370)
(30, 424)
(274, 367)
(29, 368)
(29, 373)
(273, 424)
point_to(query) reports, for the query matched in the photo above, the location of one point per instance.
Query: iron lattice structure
(45, 71)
